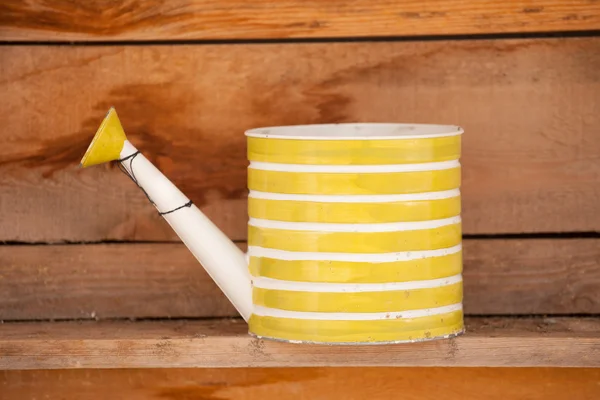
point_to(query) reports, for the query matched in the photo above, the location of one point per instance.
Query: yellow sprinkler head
(107, 143)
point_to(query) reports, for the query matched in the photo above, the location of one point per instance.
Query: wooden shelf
(36, 20)
(220, 343)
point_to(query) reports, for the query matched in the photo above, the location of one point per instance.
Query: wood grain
(106, 281)
(530, 109)
(526, 276)
(165, 280)
(490, 342)
(55, 20)
(304, 383)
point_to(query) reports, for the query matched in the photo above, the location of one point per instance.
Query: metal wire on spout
(131, 157)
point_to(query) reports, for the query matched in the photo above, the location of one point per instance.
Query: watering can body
(354, 231)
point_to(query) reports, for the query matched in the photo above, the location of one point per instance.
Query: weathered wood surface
(530, 109)
(304, 383)
(165, 280)
(106, 281)
(490, 342)
(55, 20)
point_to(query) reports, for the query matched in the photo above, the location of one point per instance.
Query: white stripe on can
(321, 287)
(386, 168)
(322, 316)
(334, 227)
(360, 198)
(263, 252)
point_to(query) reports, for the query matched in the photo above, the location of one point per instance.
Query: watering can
(354, 231)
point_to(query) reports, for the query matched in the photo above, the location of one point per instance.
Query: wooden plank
(304, 383)
(547, 276)
(267, 19)
(106, 281)
(165, 280)
(531, 158)
(490, 342)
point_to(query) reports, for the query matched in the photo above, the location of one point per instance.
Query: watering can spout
(220, 257)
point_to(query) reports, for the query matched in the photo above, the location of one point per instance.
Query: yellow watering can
(354, 235)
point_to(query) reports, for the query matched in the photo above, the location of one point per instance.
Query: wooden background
(188, 77)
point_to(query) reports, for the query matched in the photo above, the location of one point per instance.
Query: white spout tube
(221, 258)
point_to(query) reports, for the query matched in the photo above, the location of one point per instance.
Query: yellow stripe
(357, 272)
(354, 152)
(388, 330)
(353, 183)
(398, 211)
(355, 242)
(363, 302)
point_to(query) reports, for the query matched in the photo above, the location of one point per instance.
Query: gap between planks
(224, 343)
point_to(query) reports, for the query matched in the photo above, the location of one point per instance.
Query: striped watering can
(354, 235)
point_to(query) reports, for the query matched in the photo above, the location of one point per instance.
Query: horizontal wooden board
(165, 280)
(530, 108)
(106, 281)
(267, 19)
(304, 383)
(490, 342)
